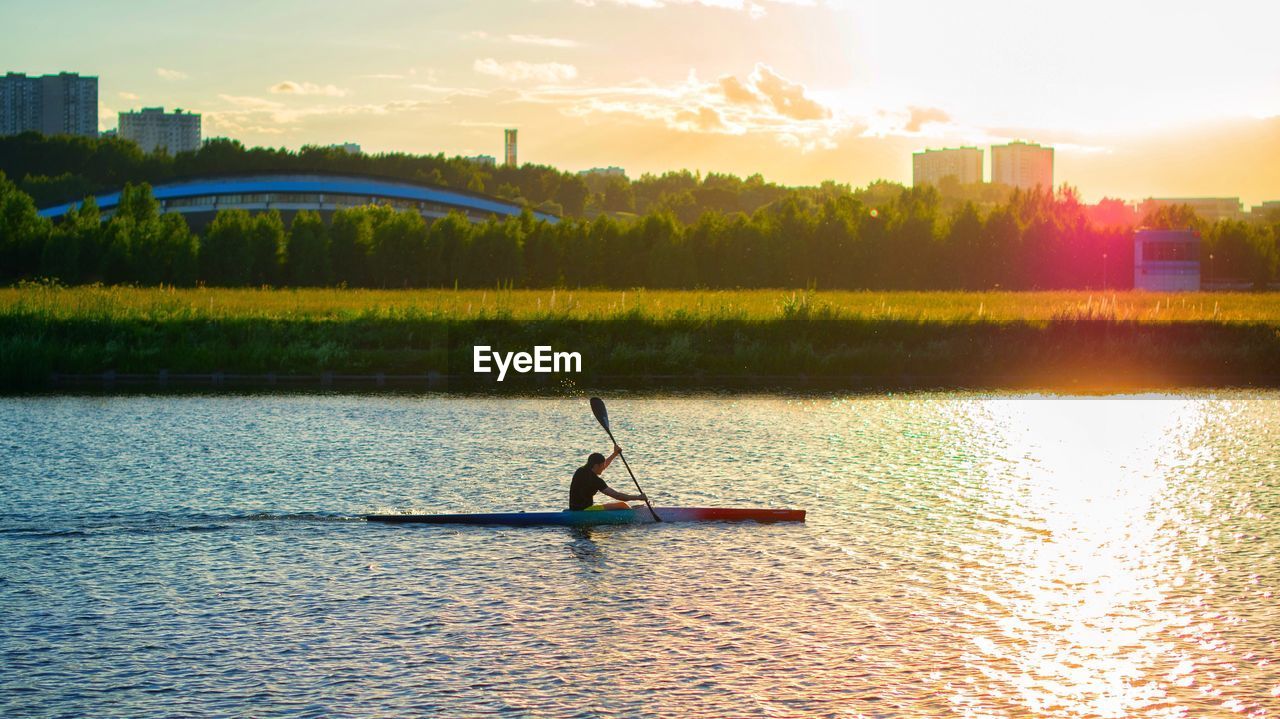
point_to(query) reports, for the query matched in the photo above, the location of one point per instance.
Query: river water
(965, 555)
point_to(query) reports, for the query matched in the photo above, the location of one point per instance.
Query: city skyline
(800, 92)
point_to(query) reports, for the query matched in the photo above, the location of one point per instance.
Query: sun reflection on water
(1083, 553)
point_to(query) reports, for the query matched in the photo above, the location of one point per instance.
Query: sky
(1138, 99)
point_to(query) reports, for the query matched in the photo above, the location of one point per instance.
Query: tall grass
(53, 302)
(1067, 339)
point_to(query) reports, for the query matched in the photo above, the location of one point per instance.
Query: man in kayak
(586, 482)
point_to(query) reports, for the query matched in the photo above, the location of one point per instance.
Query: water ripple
(965, 555)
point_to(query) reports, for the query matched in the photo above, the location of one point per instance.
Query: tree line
(60, 169)
(1034, 240)
(63, 168)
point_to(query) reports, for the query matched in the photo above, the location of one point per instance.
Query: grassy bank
(128, 303)
(703, 339)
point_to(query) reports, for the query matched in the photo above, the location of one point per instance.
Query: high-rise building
(482, 160)
(153, 128)
(930, 166)
(62, 104)
(509, 149)
(21, 104)
(1022, 164)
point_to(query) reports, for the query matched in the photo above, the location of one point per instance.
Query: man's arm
(609, 460)
(621, 495)
(605, 489)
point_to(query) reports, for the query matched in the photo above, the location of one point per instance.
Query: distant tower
(509, 152)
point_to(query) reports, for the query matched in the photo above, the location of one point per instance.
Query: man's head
(596, 462)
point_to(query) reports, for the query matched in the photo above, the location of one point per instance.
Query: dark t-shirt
(583, 488)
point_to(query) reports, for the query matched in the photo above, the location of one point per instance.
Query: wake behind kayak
(588, 518)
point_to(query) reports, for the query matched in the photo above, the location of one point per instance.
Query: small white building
(1166, 260)
(1261, 211)
(610, 171)
(1206, 208)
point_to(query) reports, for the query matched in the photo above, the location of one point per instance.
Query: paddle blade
(602, 414)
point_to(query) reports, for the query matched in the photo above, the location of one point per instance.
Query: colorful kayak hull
(592, 518)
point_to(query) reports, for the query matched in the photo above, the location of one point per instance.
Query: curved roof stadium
(291, 192)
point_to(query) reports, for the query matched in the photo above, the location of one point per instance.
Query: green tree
(708, 240)
(1172, 217)
(1001, 245)
(835, 242)
(351, 243)
(1242, 252)
(495, 254)
(544, 255)
(179, 251)
(508, 191)
(73, 253)
(23, 232)
(914, 223)
(307, 253)
(618, 195)
(669, 261)
(224, 254)
(965, 248)
(448, 240)
(400, 251)
(138, 203)
(572, 195)
(136, 237)
(266, 248)
(60, 258)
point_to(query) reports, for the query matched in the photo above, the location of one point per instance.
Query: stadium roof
(283, 186)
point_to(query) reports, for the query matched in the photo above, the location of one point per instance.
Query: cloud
(289, 87)
(921, 116)
(519, 71)
(543, 41)
(128, 96)
(449, 92)
(738, 93)
(705, 119)
(168, 74)
(765, 105)
(253, 115)
(250, 103)
(405, 75)
(755, 8)
(788, 98)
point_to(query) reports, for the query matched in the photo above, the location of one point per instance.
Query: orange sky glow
(1181, 99)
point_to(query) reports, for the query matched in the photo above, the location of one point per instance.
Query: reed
(652, 338)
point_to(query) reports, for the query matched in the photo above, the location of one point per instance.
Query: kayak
(589, 518)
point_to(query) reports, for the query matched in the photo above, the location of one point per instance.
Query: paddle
(602, 416)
